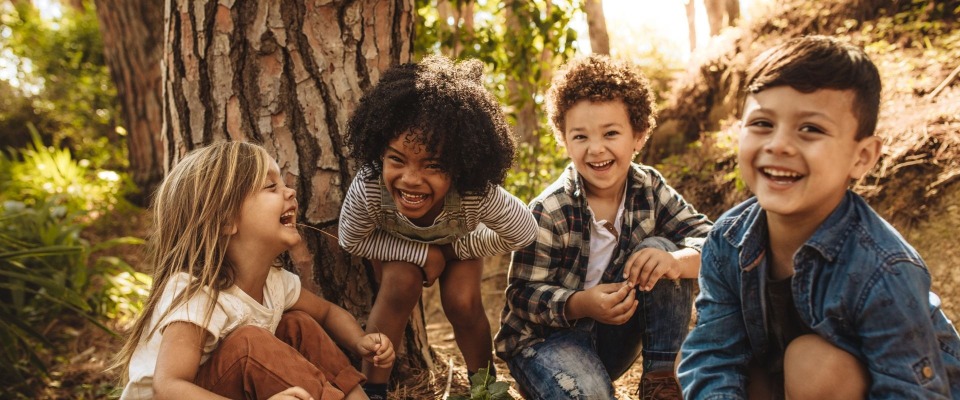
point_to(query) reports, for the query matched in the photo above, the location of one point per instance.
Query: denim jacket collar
(837, 225)
(749, 232)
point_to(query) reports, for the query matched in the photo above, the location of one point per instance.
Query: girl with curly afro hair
(433, 148)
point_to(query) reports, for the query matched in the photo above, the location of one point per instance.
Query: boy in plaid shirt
(616, 253)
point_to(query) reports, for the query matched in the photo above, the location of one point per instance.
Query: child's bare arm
(178, 362)
(344, 329)
(645, 267)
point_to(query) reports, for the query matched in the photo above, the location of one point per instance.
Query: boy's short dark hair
(443, 106)
(810, 63)
(598, 78)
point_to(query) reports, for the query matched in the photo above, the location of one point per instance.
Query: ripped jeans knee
(565, 366)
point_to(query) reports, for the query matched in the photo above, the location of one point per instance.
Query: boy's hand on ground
(436, 263)
(295, 392)
(645, 267)
(376, 348)
(611, 303)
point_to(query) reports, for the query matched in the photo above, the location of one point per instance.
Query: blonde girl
(222, 319)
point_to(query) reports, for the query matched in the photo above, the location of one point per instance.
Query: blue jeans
(593, 355)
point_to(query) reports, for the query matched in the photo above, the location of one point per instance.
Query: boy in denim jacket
(613, 242)
(806, 292)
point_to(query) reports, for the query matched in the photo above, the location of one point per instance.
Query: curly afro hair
(598, 78)
(443, 106)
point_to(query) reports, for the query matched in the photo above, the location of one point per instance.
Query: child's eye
(811, 129)
(611, 133)
(760, 123)
(395, 159)
(435, 166)
(578, 137)
(271, 186)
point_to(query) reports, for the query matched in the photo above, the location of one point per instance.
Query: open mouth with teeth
(289, 219)
(412, 199)
(600, 166)
(781, 175)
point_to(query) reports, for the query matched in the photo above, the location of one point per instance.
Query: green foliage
(537, 167)
(483, 386)
(61, 82)
(46, 273)
(47, 174)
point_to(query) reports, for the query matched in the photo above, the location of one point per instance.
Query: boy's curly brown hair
(598, 78)
(443, 106)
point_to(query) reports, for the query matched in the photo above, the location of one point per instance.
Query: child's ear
(640, 140)
(866, 155)
(230, 229)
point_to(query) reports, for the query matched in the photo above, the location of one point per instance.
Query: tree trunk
(691, 24)
(453, 37)
(721, 13)
(597, 23)
(287, 74)
(132, 45)
(521, 90)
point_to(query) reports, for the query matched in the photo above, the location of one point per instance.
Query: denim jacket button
(927, 372)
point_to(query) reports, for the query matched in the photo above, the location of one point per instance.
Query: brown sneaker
(659, 385)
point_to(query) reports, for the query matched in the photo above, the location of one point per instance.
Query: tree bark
(691, 24)
(287, 74)
(721, 13)
(132, 45)
(597, 25)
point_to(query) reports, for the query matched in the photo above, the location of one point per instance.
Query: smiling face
(268, 216)
(798, 152)
(415, 178)
(601, 142)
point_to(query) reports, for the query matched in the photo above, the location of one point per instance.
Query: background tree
(721, 13)
(286, 74)
(691, 10)
(132, 45)
(597, 26)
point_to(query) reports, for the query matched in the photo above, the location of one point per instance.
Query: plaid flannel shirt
(544, 274)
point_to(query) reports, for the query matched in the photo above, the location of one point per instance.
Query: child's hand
(611, 303)
(645, 267)
(376, 348)
(436, 263)
(295, 392)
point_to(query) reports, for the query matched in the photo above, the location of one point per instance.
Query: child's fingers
(659, 271)
(622, 292)
(628, 268)
(640, 260)
(648, 270)
(294, 392)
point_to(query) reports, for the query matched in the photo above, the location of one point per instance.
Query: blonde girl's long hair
(192, 208)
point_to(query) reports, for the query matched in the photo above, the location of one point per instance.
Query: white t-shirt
(234, 308)
(603, 242)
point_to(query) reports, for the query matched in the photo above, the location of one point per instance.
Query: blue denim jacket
(857, 283)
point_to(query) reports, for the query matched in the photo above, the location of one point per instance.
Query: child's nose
(412, 176)
(596, 147)
(780, 142)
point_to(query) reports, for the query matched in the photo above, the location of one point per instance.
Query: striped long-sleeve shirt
(497, 223)
(544, 274)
